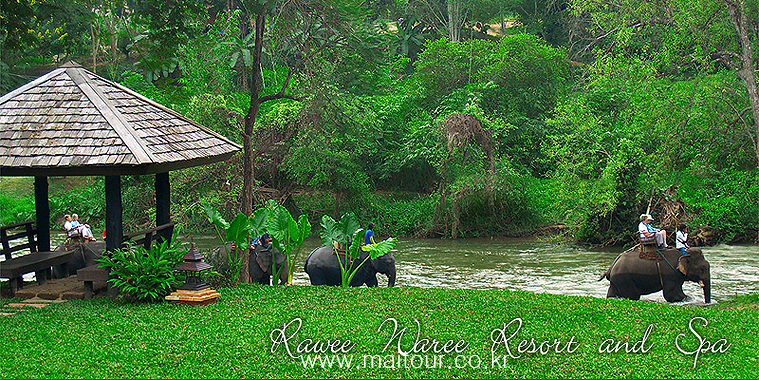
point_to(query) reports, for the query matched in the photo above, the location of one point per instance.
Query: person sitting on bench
(68, 226)
(84, 229)
(73, 227)
(647, 231)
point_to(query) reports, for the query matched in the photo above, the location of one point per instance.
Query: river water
(529, 265)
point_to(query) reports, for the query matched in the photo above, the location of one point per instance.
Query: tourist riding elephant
(259, 263)
(323, 269)
(630, 276)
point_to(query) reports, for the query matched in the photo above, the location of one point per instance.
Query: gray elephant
(259, 263)
(323, 268)
(630, 276)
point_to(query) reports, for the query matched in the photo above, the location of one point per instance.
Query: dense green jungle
(564, 119)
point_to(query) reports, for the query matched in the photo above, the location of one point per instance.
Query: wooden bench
(146, 237)
(94, 273)
(40, 263)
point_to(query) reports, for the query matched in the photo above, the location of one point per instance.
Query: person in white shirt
(73, 227)
(681, 239)
(68, 225)
(647, 231)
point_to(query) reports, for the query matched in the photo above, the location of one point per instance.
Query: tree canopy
(437, 117)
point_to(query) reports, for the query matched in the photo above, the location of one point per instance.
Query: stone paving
(52, 291)
(68, 288)
(29, 304)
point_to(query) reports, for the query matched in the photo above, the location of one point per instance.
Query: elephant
(259, 263)
(323, 269)
(630, 276)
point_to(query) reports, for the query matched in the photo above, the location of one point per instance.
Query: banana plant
(287, 236)
(339, 232)
(238, 231)
(343, 232)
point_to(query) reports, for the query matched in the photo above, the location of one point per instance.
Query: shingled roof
(73, 122)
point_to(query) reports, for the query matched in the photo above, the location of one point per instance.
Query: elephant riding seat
(632, 276)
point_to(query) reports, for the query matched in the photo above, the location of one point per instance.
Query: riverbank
(397, 213)
(113, 339)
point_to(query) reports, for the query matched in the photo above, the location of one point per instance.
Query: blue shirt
(368, 237)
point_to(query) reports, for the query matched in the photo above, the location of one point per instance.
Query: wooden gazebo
(71, 122)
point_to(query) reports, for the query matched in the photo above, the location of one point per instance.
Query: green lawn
(106, 339)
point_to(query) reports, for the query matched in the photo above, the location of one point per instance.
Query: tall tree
(743, 62)
(448, 17)
(168, 24)
(15, 23)
(289, 34)
(679, 38)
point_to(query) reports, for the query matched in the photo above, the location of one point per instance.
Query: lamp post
(194, 291)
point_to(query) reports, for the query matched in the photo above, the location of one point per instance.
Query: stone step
(42, 300)
(4, 313)
(26, 293)
(48, 295)
(75, 295)
(36, 305)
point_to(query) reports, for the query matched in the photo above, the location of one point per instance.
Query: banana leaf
(347, 226)
(279, 224)
(257, 222)
(238, 232)
(380, 249)
(328, 231)
(355, 248)
(215, 217)
(305, 229)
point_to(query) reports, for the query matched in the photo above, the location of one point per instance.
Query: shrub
(14, 210)
(88, 201)
(727, 200)
(145, 274)
(409, 217)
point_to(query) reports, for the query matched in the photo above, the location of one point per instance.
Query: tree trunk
(456, 217)
(503, 24)
(454, 29)
(250, 123)
(112, 33)
(745, 71)
(94, 49)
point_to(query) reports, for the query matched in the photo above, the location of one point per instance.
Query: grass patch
(108, 339)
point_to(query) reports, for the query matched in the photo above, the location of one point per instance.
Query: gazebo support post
(162, 201)
(114, 229)
(42, 207)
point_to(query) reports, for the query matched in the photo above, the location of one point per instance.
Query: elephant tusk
(701, 283)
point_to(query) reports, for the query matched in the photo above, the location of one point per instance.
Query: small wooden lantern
(194, 291)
